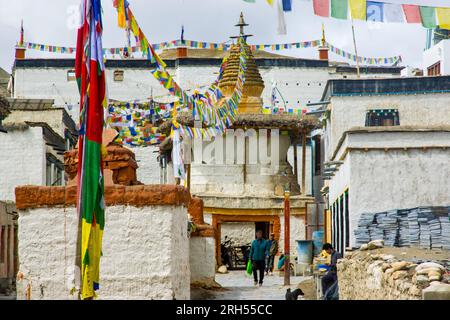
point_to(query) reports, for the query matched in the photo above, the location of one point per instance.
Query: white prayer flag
(393, 12)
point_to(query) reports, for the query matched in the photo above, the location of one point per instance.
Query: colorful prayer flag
(339, 9)
(428, 15)
(321, 8)
(443, 15)
(393, 12)
(287, 5)
(90, 73)
(358, 9)
(375, 11)
(412, 13)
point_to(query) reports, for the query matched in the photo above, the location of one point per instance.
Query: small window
(71, 76)
(118, 75)
(382, 118)
(435, 69)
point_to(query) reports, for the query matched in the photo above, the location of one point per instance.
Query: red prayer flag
(322, 8)
(412, 13)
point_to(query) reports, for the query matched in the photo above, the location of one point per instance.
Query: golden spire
(251, 101)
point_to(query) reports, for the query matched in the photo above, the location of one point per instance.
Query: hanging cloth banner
(364, 60)
(429, 17)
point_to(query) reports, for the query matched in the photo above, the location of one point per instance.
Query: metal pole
(356, 52)
(287, 240)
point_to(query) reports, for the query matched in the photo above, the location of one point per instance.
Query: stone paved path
(239, 287)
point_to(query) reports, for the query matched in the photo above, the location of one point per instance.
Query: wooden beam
(296, 158)
(188, 177)
(303, 162)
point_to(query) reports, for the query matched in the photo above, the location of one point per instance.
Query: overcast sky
(53, 22)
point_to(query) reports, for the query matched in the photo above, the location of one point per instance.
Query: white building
(300, 81)
(389, 140)
(33, 146)
(436, 60)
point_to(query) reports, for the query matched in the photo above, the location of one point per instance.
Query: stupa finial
(241, 24)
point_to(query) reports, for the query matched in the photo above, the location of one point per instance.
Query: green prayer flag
(250, 1)
(339, 9)
(428, 15)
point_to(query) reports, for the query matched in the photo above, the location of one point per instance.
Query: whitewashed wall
(298, 86)
(52, 117)
(381, 181)
(149, 170)
(145, 253)
(308, 166)
(438, 53)
(23, 160)
(202, 259)
(297, 228)
(424, 110)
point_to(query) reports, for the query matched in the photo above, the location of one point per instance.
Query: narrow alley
(237, 286)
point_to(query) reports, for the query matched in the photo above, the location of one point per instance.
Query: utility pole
(356, 51)
(287, 239)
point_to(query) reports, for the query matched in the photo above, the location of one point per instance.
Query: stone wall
(384, 275)
(145, 243)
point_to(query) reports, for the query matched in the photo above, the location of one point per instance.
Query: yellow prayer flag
(121, 19)
(358, 9)
(443, 15)
(270, 2)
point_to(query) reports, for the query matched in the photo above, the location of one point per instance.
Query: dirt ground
(308, 288)
(236, 286)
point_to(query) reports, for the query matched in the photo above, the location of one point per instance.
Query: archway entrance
(267, 223)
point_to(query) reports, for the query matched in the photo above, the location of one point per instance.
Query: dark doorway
(264, 227)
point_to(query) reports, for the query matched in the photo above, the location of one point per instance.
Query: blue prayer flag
(375, 11)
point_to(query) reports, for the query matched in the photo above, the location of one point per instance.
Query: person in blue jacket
(258, 253)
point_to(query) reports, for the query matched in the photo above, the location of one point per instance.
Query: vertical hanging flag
(321, 8)
(339, 9)
(412, 13)
(182, 34)
(22, 32)
(428, 15)
(375, 11)
(443, 15)
(358, 9)
(393, 12)
(287, 5)
(281, 21)
(90, 73)
(121, 18)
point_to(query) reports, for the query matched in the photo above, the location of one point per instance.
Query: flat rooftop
(386, 86)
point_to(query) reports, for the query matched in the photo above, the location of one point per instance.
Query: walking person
(258, 253)
(273, 250)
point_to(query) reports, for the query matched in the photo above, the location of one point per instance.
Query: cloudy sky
(53, 22)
